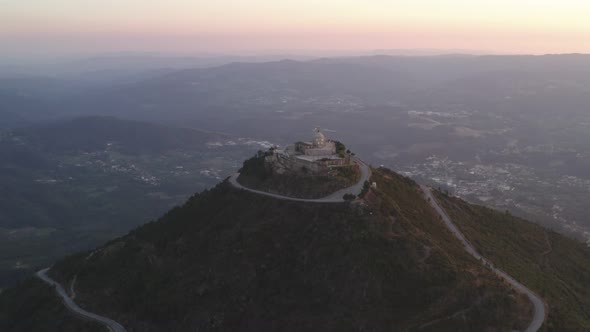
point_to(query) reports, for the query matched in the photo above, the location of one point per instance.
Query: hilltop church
(314, 157)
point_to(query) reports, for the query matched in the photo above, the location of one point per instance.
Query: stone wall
(327, 150)
(286, 161)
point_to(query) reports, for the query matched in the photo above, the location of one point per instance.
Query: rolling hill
(229, 259)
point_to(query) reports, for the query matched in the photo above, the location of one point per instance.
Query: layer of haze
(233, 26)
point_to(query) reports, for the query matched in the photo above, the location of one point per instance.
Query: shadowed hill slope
(33, 306)
(74, 184)
(556, 267)
(232, 260)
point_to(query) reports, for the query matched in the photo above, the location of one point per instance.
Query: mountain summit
(234, 259)
(321, 170)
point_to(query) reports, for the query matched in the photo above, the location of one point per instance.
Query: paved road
(539, 305)
(70, 304)
(335, 197)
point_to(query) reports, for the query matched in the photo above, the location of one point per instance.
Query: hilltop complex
(316, 157)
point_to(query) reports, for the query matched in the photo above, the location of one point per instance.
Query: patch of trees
(256, 166)
(340, 149)
(348, 197)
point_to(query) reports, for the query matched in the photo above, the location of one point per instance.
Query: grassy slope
(556, 267)
(34, 306)
(231, 260)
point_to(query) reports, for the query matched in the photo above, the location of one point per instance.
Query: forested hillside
(231, 260)
(554, 266)
(34, 306)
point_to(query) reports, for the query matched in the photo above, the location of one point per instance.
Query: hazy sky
(511, 26)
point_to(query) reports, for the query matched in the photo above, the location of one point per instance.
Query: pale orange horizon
(500, 26)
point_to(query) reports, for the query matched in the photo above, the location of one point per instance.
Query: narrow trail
(549, 247)
(73, 287)
(113, 326)
(538, 303)
(72, 306)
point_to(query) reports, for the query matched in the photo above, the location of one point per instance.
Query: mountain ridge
(230, 259)
(300, 278)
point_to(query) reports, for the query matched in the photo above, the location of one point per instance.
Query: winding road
(113, 326)
(538, 304)
(72, 306)
(336, 197)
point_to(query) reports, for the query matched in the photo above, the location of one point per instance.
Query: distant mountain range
(229, 92)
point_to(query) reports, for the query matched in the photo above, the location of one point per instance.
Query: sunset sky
(226, 26)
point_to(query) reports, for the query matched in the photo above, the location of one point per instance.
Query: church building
(317, 156)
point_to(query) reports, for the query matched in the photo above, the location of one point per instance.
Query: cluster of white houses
(316, 157)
